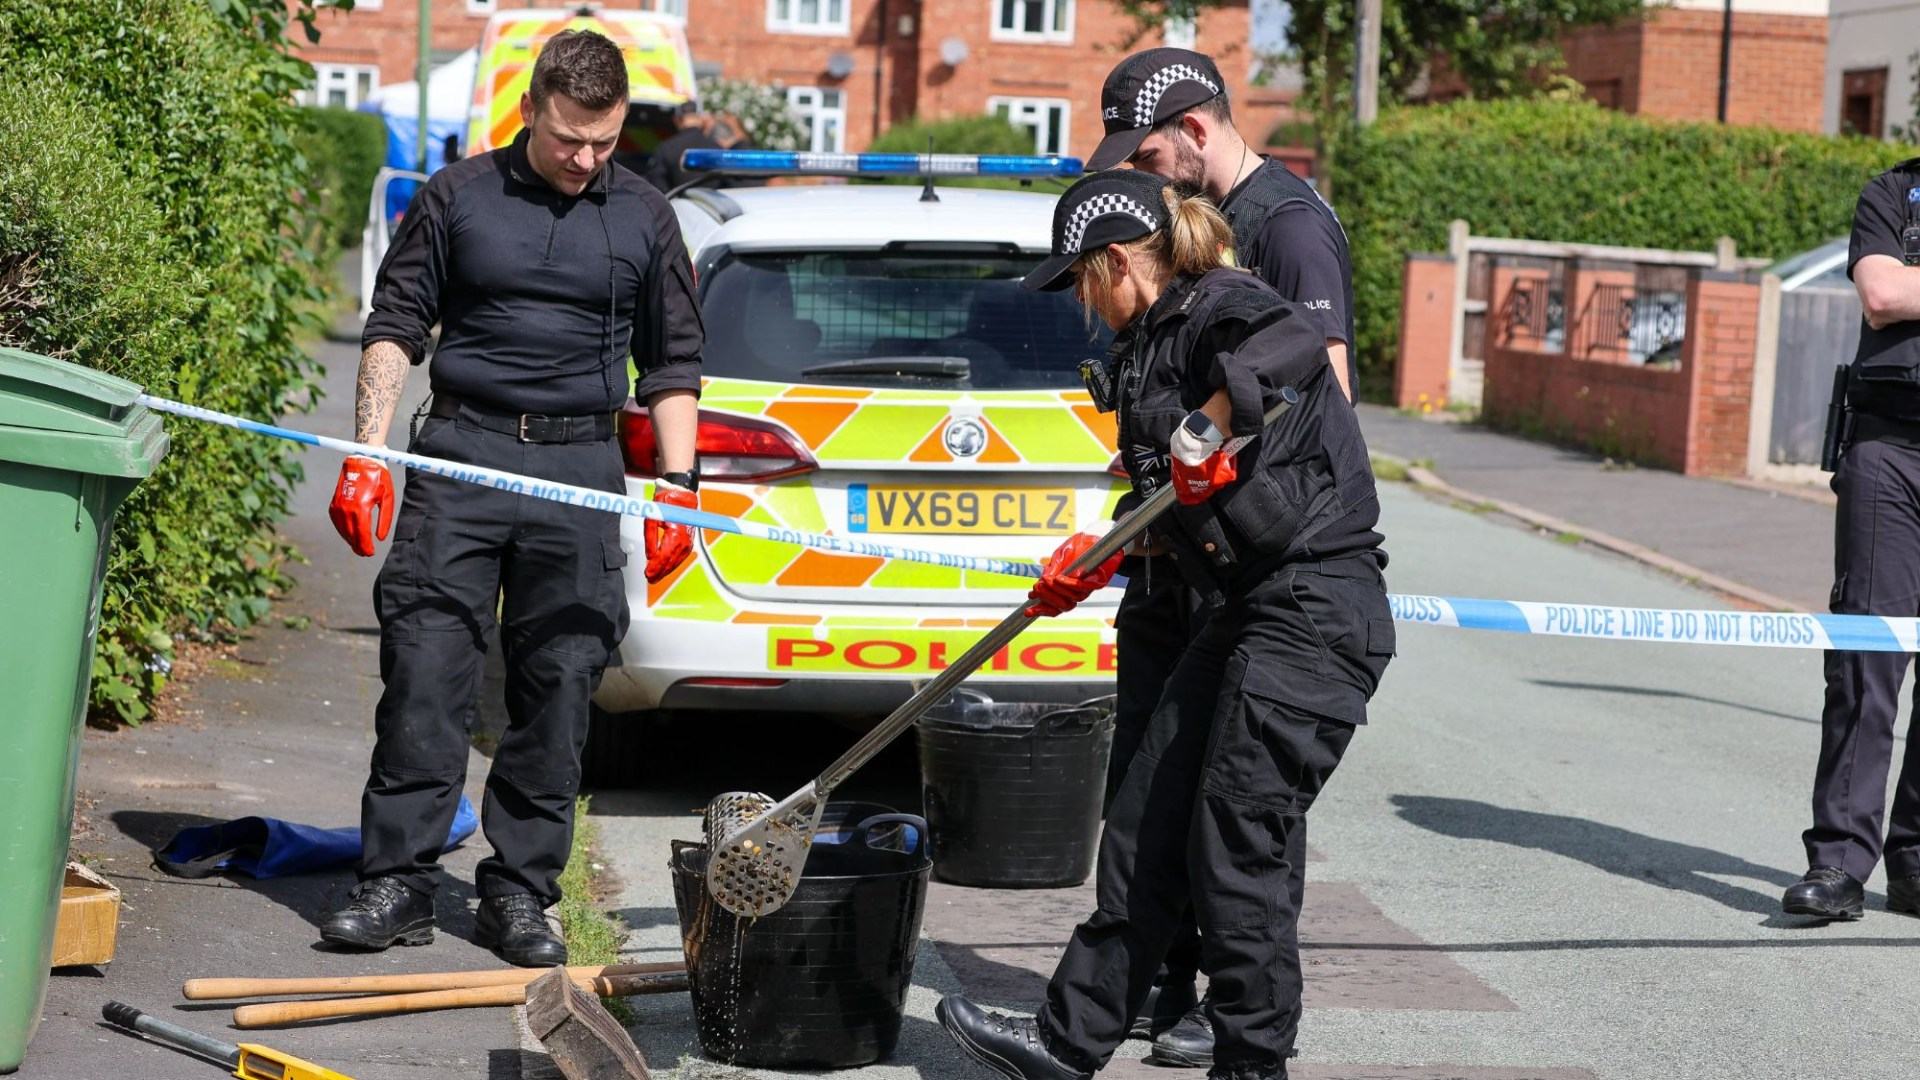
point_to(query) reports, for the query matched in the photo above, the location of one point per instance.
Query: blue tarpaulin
(268, 847)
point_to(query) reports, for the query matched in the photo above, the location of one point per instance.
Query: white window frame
(671, 7)
(368, 5)
(1050, 9)
(790, 23)
(1015, 106)
(808, 105)
(474, 7)
(350, 73)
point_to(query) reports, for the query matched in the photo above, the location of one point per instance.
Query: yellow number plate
(1001, 511)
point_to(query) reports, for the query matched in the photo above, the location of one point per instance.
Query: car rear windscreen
(956, 320)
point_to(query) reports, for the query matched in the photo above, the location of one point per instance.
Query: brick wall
(1421, 378)
(1669, 66)
(1722, 322)
(896, 40)
(1693, 419)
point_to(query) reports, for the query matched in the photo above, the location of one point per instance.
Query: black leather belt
(527, 427)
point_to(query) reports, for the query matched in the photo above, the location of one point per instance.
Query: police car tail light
(1118, 468)
(739, 449)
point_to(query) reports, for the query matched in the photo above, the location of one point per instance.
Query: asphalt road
(1544, 857)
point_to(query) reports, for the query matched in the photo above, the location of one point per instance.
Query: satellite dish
(953, 51)
(840, 64)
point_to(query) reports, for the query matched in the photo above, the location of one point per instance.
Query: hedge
(1574, 172)
(157, 222)
(344, 150)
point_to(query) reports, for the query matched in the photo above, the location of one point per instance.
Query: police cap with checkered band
(1116, 207)
(1145, 89)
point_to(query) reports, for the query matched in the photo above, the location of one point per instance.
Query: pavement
(1545, 859)
(1769, 545)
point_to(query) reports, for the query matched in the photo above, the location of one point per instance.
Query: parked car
(872, 369)
(1824, 267)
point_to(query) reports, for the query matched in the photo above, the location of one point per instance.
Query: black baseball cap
(1099, 209)
(1145, 89)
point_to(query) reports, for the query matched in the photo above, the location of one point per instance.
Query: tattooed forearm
(383, 375)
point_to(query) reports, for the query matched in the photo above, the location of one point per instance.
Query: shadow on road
(1666, 863)
(1676, 695)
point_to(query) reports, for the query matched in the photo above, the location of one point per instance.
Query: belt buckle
(524, 417)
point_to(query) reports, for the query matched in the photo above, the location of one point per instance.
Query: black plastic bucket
(1013, 791)
(822, 982)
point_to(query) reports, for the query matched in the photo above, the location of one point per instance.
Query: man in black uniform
(1166, 112)
(1876, 572)
(545, 264)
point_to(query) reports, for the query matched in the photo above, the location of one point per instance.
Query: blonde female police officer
(1260, 707)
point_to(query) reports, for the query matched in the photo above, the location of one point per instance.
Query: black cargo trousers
(460, 552)
(1240, 744)
(1876, 572)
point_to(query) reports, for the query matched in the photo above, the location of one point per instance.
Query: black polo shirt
(540, 296)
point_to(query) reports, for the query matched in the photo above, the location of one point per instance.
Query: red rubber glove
(1199, 466)
(362, 506)
(1057, 591)
(668, 545)
(1194, 484)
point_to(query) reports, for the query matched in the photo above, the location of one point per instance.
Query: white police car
(872, 370)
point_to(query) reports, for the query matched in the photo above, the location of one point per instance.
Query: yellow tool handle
(260, 1063)
(278, 1013)
(205, 989)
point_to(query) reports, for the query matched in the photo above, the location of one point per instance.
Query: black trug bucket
(1012, 792)
(822, 982)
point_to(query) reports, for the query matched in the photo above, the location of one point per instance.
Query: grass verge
(593, 936)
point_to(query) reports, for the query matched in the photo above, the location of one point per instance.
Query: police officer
(545, 264)
(1262, 703)
(1166, 111)
(1876, 572)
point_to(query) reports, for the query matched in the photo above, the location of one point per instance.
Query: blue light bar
(804, 163)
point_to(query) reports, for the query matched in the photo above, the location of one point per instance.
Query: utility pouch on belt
(1833, 445)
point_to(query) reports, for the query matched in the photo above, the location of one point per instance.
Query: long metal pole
(1726, 55)
(1366, 64)
(421, 66)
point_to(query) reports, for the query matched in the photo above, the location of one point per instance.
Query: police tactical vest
(1286, 492)
(1886, 366)
(1271, 188)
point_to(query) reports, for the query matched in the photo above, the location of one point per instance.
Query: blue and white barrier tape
(1763, 629)
(603, 500)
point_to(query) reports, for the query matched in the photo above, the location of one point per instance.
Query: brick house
(1668, 64)
(852, 68)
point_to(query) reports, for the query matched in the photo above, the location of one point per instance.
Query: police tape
(1669, 626)
(612, 502)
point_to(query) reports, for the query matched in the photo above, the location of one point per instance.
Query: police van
(659, 73)
(873, 370)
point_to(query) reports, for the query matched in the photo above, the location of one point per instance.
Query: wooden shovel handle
(208, 989)
(279, 1013)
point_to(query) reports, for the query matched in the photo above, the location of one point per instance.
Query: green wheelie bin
(73, 444)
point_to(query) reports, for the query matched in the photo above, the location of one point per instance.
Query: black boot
(515, 928)
(1903, 895)
(1827, 892)
(379, 913)
(1165, 1005)
(1009, 1045)
(1187, 1044)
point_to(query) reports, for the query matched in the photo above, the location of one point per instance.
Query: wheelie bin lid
(63, 416)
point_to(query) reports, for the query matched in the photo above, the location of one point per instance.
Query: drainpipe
(1726, 54)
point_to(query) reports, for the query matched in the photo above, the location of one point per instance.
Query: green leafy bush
(1574, 172)
(158, 222)
(345, 149)
(769, 121)
(957, 135)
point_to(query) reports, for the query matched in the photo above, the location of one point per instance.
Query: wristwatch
(689, 479)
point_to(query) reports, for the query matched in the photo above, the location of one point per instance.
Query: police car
(872, 371)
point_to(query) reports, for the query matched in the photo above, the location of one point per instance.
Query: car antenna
(926, 192)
